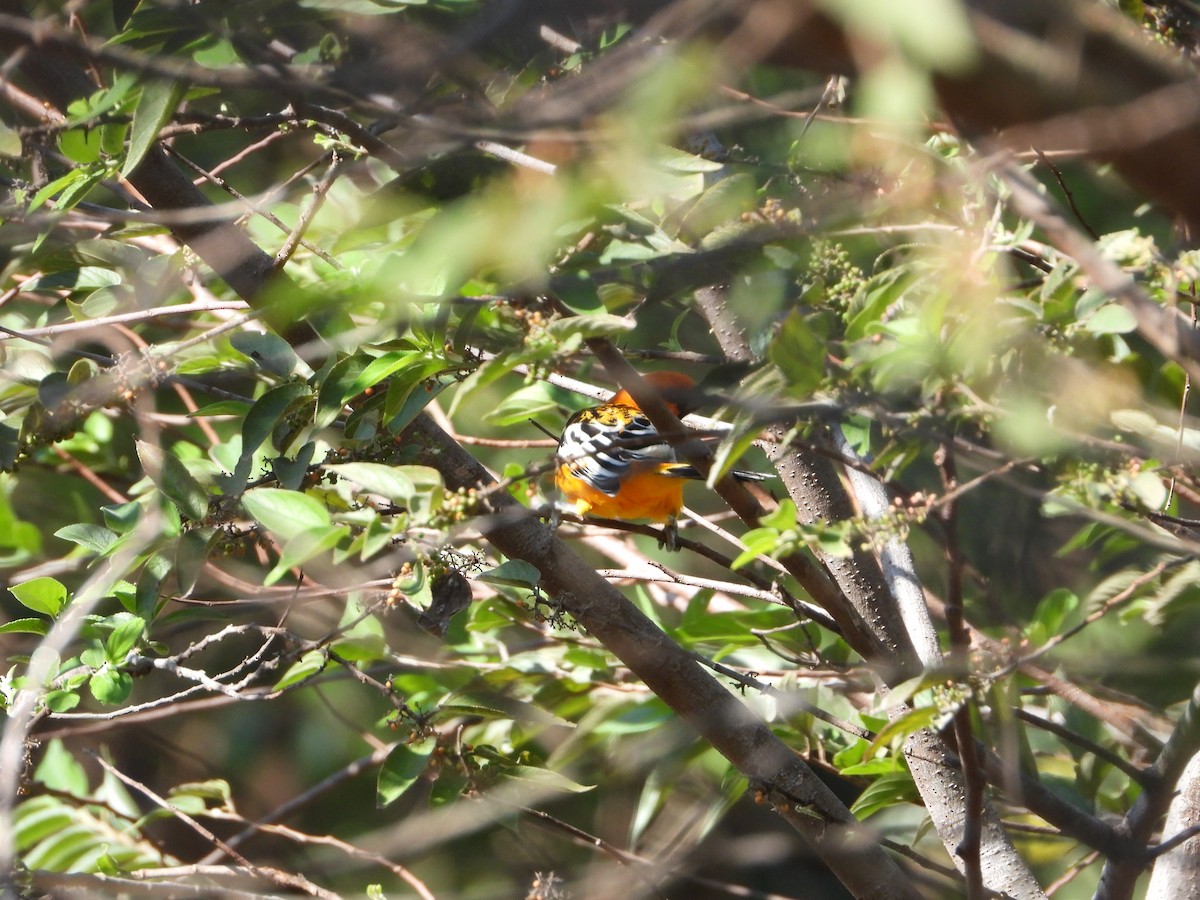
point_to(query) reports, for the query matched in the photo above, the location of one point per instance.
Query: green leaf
(308, 665)
(417, 586)
(96, 538)
(10, 142)
(365, 642)
(935, 34)
(878, 296)
(885, 791)
(202, 796)
(759, 542)
(60, 771)
(286, 513)
(39, 817)
(380, 368)
(580, 294)
(337, 387)
(55, 187)
(123, 639)
(122, 517)
(1111, 318)
(908, 723)
(61, 701)
(154, 109)
(524, 404)
(1051, 613)
(512, 573)
(84, 278)
(545, 778)
(221, 408)
(375, 478)
(799, 351)
(190, 555)
(81, 145)
(270, 351)
(650, 802)
(399, 415)
(725, 200)
(590, 326)
(636, 718)
(266, 412)
(45, 595)
(674, 160)
(25, 626)
(880, 766)
(111, 686)
(145, 600)
(400, 771)
(302, 547)
(782, 518)
(171, 477)
(745, 432)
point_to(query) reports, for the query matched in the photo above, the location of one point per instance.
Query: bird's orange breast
(644, 495)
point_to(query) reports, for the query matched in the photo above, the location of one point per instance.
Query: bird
(613, 464)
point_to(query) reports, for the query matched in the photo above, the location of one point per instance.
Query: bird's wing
(603, 446)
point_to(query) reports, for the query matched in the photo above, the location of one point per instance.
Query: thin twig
(1058, 176)
(286, 879)
(363, 764)
(516, 157)
(1095, 615)
(1100, 752)
(141, 315)
(327, 840)
(247, 151)
(251, 205)
(89, 476)
(316, 201)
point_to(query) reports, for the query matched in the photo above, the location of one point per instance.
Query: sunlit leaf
(110, 686)
(25, 626)
(387, 481)
(886, 791)
(123, 639)
(308, 665)
(286, 513)
(44, 594)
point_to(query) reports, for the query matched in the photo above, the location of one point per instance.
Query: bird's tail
(683, 470)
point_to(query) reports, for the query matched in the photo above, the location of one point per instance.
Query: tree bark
(774, 770)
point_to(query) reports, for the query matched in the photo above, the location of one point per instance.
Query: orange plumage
(615, 465)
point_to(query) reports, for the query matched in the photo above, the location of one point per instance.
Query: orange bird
(614, 464)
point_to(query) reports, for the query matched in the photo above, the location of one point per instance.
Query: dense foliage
(270, 268)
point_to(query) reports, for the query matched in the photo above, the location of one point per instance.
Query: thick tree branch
(964, 828)
(1121, 872)
(674, 676)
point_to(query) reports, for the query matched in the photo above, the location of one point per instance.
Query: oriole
(614, 464)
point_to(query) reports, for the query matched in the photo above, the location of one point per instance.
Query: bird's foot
(668, 539)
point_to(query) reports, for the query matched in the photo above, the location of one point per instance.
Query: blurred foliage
(220, 519)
